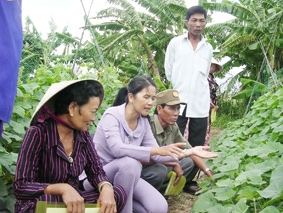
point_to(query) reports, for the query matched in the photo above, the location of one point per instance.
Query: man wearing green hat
(166, 131)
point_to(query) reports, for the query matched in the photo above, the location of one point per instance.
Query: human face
(196, 24)
(212, 68)
(84, 115)
(168, 115)
(143, 100)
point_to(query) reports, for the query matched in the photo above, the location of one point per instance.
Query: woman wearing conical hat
(57, 147)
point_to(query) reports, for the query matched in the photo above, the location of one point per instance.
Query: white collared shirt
(188, 69)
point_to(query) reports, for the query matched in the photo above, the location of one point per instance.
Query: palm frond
(120, 39)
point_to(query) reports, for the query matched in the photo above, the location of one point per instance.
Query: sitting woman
(124, 141)
(57, 148)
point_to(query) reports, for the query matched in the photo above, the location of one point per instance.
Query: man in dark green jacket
(166, 131)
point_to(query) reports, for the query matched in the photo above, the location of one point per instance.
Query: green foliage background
(249, 168)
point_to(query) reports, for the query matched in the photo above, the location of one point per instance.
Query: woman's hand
(106, 200)
(202, 151)
(73, 200)
(170, 150)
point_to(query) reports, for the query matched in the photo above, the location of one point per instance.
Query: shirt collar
(202, 40)
(119, 113)
(159, 129)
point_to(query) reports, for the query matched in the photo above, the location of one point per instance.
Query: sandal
(193, 188)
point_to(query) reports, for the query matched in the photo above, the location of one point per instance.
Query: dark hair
(195, 10)
(136, 85)
(79, 92)
(155, 111)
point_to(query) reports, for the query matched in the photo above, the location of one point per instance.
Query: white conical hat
(48, 98)
(218, 66)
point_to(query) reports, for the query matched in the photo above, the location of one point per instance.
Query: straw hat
(169, 97)
(48, 98)
(218, 66)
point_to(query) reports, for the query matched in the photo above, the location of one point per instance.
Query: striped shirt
(42, 161)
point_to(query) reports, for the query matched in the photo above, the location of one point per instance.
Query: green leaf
(159, 84)
(6, 159)
(204, 202)
(10, 203)
(219, 209)
(253, 46)
(225, 182)
(248, 175)
(275, 187)
(17, 127)
(226, 194)
(19, 110)
(270, 209)
(29, 88)
(19, 93)
(241, 206)
(246, 194)
(3, 189)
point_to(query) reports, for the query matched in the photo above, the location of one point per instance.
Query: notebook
(174, 190)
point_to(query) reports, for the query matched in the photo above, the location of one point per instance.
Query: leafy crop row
(249, 169)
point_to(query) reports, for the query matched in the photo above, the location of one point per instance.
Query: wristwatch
(207, 170)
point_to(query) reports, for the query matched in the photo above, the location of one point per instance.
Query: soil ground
(184, 202)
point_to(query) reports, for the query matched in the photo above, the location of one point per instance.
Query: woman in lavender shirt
(124, 142)
(57, 148)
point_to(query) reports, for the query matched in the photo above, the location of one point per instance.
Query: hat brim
(48, 98)
(218, 67)
(172, 103)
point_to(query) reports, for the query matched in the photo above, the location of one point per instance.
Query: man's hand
(202, 151)
(179, 172)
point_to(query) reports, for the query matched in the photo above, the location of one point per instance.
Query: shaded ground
(184, 202)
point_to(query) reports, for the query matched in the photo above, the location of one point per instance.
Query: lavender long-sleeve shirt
(114, 139)
(42, 161)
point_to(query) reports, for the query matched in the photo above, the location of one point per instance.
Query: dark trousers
(197, 129)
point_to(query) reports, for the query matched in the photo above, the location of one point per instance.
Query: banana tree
(127, 26)
(253, 38)
(145, 32)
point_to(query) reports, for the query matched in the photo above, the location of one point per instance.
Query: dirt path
(184, 202)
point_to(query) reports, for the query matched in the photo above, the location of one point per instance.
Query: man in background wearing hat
(214, 67)
(166, 131)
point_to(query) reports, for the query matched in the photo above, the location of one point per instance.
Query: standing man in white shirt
(187, 63)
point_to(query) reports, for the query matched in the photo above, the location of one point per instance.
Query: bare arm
(201, 164)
